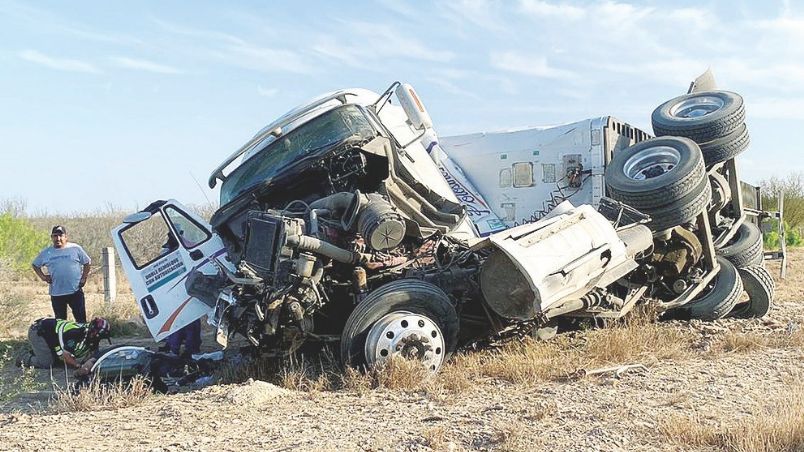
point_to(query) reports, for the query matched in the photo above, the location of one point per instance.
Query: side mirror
(413, 107)
(137, 217)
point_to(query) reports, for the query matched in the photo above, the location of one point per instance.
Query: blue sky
(117, 104)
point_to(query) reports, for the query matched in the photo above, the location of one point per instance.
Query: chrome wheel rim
(696, 107)
(407, 335)
(652, 162)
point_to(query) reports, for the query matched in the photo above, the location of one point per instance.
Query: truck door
(158, 248)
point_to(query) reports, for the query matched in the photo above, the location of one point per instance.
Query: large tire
(655, 172)
(759, 285)
(681, 211)
(745, 249)
(718, 299)
(702, 116)
(395, 300)
(726, 147)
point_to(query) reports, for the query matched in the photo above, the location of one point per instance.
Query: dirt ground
(593, 413)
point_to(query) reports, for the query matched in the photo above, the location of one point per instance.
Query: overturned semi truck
(349, 220)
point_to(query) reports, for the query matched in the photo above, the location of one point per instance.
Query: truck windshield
(333, 127)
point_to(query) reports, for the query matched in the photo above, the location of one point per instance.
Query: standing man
(68, 267)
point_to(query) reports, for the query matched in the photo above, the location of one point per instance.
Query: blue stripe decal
(165, 280)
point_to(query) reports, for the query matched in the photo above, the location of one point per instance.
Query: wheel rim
(408, 335)
(652, 162)
(696, 107)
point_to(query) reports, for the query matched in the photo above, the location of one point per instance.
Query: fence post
(782, 237)
(109, 279)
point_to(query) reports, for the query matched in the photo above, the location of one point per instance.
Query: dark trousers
(190, 335)
(76, 303)
(42, 355)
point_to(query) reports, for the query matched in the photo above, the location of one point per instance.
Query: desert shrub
(20, 240)
(792, 185)
(16, 314)
(792, 235)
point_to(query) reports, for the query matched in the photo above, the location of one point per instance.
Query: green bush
(20, 241)
(792, 236)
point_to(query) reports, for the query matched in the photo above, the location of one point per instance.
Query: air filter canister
(380, 225)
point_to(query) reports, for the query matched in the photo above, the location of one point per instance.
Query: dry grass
(302, 374)
(530, 362)
(436, 438)
(18, 380)
(124, 319)
(778, 427)
(101, 396)
(790, 289)
(16, 314)
(743, 342)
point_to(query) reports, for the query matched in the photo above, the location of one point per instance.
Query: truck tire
(656, 172)
(726, 147)
(702, 116)
(759, 285)
(407, 316)
(720, 296)
(680, 211)
(745, 248)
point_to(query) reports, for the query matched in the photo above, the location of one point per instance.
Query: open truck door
(158, 248)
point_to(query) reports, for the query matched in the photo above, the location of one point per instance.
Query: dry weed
(436, 438)
(637, 341)
(395, 374)
(102, 396)
(778, 427)
(742, 342)
(308, 375)
(516, 437)
(124, 319)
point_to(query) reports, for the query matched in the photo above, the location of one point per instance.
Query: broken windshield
(324, 131)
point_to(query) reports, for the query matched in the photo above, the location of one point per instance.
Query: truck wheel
(727, 147)
(702, 116)
(759, 285)
(408, 318)
(720, 296)
(655, 172)
(681, 211)
(745, 249)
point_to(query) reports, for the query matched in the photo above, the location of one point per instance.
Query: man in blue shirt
(67, 270)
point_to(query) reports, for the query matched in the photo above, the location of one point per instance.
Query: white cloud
(236, 51)
(481, 13)
(403, 8)
(370, 46)
(221, 37)
(385, 40)
(266, 59)
(532, 65)
(144, 65)
(546, 9)
(351, 56)
(267, 92)
(452, 88)
(61, 64)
